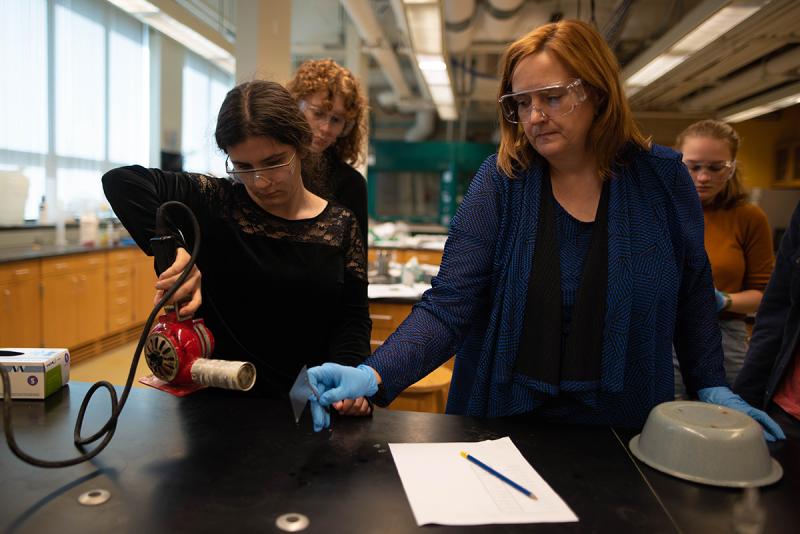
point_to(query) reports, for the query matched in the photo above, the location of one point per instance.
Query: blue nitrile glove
(719, 298)
(335, 382)
(725, 397)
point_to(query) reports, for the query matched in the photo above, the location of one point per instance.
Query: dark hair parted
(583, 52)
(331, 78)
(262, 109)
(733, 194)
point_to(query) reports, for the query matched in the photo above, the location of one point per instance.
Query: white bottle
(44, 217)
(61, 225)
(88, 229)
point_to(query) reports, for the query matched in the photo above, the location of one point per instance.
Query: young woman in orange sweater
(737, 235)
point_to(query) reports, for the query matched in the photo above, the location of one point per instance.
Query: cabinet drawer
(19, 271)
(119, 320)
(119, 285)
(119, 303)
(122, 257)
(388, 316)
(380, 334)
(72, 264)
(119, 271)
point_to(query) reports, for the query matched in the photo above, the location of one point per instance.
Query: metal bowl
(706, 443)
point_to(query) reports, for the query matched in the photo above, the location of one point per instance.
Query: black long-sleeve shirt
(278, 293)
(350, 190)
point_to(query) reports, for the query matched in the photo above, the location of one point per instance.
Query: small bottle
(87, 229)
(44, 217)
(111, 233)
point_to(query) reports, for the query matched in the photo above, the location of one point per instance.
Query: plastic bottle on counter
(88, 229)
(61, 225)
(44, 216)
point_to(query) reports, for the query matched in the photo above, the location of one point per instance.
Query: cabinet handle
(61, 265)
(7, 300)
(380, 317)
(21, 272)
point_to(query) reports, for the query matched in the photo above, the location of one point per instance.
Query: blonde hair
(733, 193)
(328, 76)
(583, 51)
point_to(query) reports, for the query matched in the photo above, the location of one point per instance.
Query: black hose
(110, 426)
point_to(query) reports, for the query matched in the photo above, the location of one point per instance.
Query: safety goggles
(261, 172)
(715, 169)
(551, 101)
(318, 115)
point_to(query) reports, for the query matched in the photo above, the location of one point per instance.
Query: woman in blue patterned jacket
(574, 263)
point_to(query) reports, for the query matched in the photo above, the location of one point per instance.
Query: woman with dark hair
(573, 264)
(283, 270)
(737, 235)
(333, 102)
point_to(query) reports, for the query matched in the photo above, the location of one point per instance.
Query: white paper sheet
(446, 489)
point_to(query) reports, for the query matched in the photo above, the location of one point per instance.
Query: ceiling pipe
(370, 31)
(459, 18)
(778, 69)
(423, 127)
(501, 16)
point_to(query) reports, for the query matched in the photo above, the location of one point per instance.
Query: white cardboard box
(35, 373)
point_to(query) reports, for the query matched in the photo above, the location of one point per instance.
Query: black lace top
(279, 293)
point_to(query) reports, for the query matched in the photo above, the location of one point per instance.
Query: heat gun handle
(165, 250)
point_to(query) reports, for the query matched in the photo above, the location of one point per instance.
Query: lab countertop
(10, 254)
(217, 461)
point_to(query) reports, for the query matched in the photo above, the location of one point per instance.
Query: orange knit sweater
(739, 247)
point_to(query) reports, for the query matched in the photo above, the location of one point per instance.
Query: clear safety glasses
(251, 174)
(318, 115)
(551, 101)
(719, 170)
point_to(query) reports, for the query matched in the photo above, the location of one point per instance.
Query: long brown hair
(328, 76)
(583, 51)
(733, 193)
(262, 108)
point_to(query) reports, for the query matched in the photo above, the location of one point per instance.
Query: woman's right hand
(188, 295)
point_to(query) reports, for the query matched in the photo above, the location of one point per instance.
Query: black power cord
(110, 426)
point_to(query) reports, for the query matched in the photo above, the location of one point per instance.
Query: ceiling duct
(459, 22)
(779, 69)
(501, 16)
(376, 43)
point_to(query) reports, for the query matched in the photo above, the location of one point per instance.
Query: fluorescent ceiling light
(431, 62)
(425, 25)
(135, 7)
(442, 95)
(424, 22)
(716, 25)
(655, 70)
(152, 15)
(719, 24)
(767, 103)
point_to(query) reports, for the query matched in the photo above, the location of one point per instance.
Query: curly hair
(328, 76)
(584, 52)
(733, 194)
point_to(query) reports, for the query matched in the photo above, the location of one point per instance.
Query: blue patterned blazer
(659, 292)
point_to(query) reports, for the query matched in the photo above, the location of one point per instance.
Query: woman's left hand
(358, 406)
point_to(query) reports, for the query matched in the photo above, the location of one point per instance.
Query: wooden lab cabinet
(74, 299)
(386, 317)
(20, 304)
(131, 286)
(144, 282)
(120, 288)
(426, 395)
